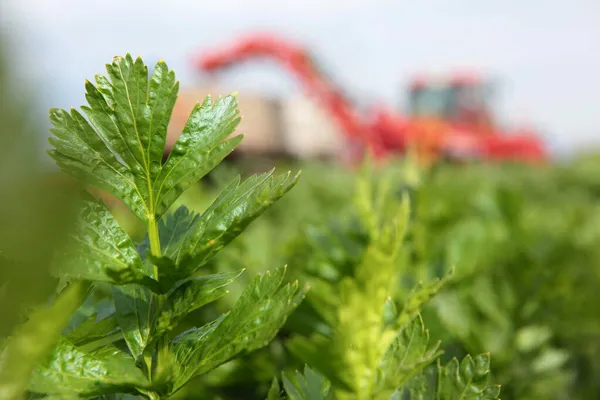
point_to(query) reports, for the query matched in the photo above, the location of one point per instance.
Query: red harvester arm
(387, 132)
(300, 63)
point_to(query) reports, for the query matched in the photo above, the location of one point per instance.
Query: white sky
(541, 50)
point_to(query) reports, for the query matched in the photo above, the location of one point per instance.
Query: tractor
(448, 118)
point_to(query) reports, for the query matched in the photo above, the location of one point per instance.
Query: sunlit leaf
(119, 148)
(101, 251)
(191, 295)
(70, 370)
(191, 239)
(257, 316)
(198, 149)
(135, 310)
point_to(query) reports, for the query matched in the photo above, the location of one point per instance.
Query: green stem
(155, 250)
(154, 241)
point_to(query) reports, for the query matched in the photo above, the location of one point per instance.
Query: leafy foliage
(100, 250)
(482, 259)
(373, 340)
(119, 150)
(70, 370)
(487, 248)
(152, 286)
(252, 323)
(468, 379)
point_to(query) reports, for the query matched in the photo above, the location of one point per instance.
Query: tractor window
(460, 103)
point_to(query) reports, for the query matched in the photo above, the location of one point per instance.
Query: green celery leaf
(409, 354)
(33, 340)
(92, 329)
(467, 380)
(192, 240)
(174, 227)
(307, 386)
(101, 251)
(120, 149)
(69, 370)
(199, 148)
(235, 208)
(79, 151)
(257, 316)
(358, 310)
(191, 295)
(135, 311)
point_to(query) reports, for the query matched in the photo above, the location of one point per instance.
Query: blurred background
(539, 53)
(507, 92)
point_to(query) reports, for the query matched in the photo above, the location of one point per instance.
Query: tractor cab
(462, 101)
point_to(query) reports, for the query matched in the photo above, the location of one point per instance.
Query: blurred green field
(524, 242)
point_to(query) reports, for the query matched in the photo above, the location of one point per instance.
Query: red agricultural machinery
(446, 119)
